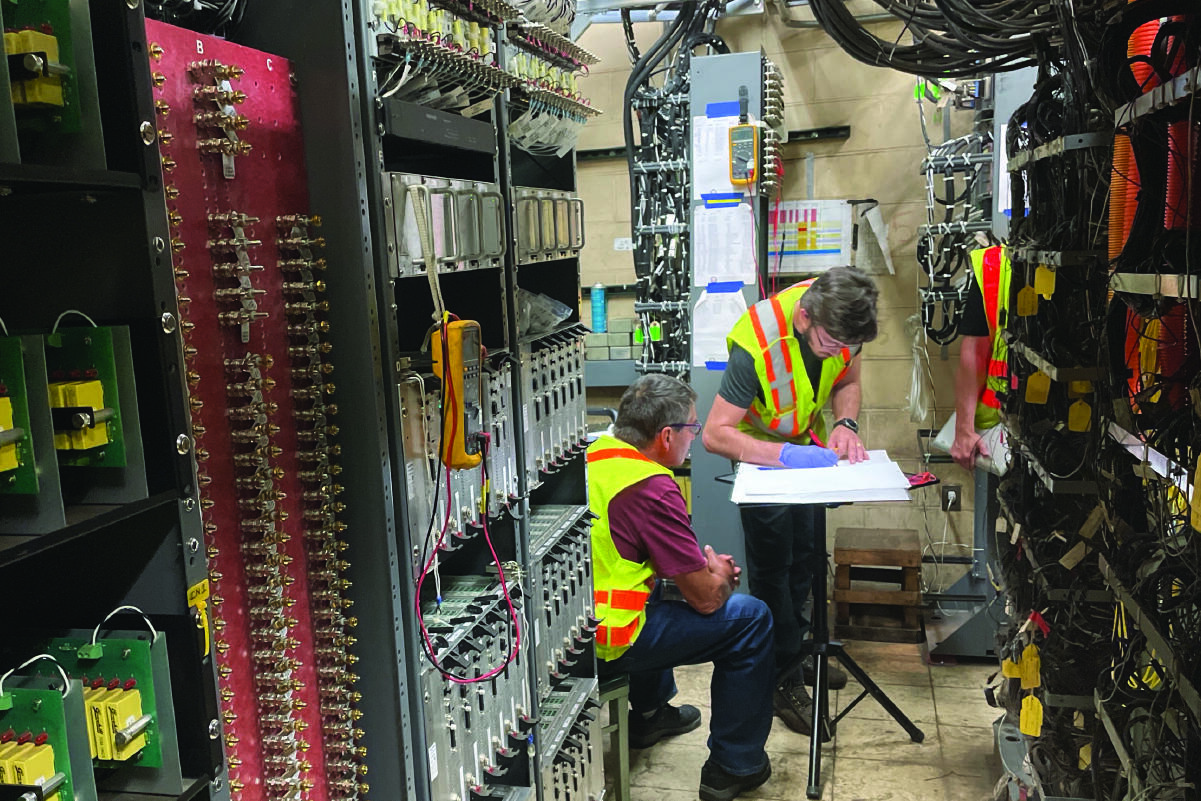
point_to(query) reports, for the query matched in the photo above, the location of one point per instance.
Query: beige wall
(823, 87)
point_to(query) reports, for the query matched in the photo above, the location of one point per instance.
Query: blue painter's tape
(716, 367)
(804, 252)
(723, 287)
(728, 108)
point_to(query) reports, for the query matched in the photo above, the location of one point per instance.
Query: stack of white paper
(877, 479)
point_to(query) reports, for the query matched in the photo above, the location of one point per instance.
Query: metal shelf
(93, 519)
(1056, 258)
(1168, 286)
(1060, 374)
(413, 121)
(40, 178)
(1160, 464)
(1064, 485)
(1058, 147)
(1161, 97)
(1164, 652)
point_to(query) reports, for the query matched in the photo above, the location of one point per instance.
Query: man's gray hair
(842, 300)
(649, 404)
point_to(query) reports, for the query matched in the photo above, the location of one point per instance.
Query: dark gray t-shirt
(740, 383)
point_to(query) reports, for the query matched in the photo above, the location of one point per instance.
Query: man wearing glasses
(643, 537)
(789, 354)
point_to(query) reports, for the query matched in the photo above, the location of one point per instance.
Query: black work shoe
(717, 785)
(792, 704)
(667, 722)
(836, 679)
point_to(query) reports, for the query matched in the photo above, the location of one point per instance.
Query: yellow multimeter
(744, 153)
(461, 376)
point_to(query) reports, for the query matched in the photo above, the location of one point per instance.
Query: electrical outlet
(952, 497)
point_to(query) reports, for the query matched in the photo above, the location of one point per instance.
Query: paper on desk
(877, 479)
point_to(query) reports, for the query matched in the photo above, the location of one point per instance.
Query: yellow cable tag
(1079, 388)
(1086, 756)
(1010, 669)
(1080, 416)
(1038, 388)
(1044, 281)
(1031, 721)
(1027, 305)
(1196, 507)
(198, 596)
(1031, 667)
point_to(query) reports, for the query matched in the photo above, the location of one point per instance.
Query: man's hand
(722, 565)
(728, 562)
(967, 448)
(847, 445)
(807, 456)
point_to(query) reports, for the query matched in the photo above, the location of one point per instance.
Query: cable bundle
(950, 38)
(205, 16)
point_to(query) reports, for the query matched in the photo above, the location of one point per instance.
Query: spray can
(600, 317)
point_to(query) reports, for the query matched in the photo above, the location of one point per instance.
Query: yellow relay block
(9, 760)
(35, 767)
(6, 751)
(8, 453)
(89, 394)
(100, 728)
(124, 708)
(43, 91)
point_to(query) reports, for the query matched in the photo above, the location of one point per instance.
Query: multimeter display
(744, 154)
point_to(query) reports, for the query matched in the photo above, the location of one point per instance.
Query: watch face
(849, 423)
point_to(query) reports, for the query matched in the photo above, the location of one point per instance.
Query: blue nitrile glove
(807, 456)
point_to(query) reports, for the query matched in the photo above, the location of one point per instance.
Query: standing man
(642, 536)
(983, 355)
(789, 354)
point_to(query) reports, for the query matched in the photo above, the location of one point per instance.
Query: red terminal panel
(246, 254)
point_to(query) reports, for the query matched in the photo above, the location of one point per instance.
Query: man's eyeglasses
(827, 342)
(695, 428)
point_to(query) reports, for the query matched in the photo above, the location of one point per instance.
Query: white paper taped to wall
(711, 155)
(724, 245)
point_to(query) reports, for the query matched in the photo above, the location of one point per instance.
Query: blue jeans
(781, 553)
(737, 639)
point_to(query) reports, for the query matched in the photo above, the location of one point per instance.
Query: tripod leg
(820, 717)
(915, 734)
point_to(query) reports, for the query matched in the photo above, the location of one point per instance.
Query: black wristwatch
(849, 422)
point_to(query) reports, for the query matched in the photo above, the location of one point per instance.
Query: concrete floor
(871, 758)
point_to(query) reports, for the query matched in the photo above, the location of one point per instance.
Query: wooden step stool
(878, 555)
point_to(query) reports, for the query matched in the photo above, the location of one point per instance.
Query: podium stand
(889, 485)
(821, 647)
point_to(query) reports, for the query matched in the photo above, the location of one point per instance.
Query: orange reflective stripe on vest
(617, 453)
(616, 636)
(627, 600)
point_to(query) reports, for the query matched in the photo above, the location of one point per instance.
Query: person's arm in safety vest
(844, 402)
(707, 589)
(974, 353)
